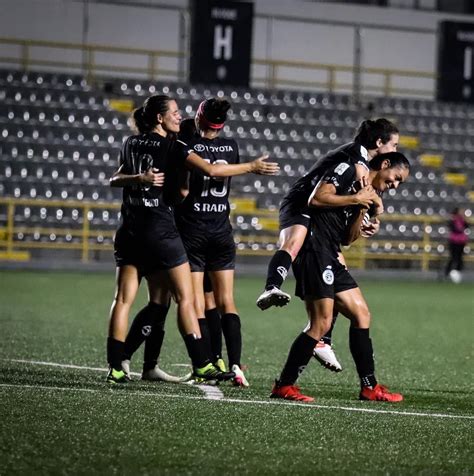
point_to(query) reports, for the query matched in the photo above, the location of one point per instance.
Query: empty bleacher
(60, 139)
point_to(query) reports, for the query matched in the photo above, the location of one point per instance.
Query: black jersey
(207, 204)
(144, 204)
(329, 225)
(298, 195)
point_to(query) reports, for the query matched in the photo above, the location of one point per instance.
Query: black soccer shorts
(320, 275)
(149, 251)
(290, 215)
(209, 250)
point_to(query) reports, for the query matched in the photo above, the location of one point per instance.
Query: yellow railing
(151, 69)
(88, 65)
(273, 79)
(83, 237)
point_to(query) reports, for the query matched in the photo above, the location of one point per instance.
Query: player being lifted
(372, 137)
(336, 213)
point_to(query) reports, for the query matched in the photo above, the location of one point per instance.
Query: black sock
(142, 325)
(298, 358)
(154, 340)
(197, 350)
(213, 319)
(115, 353)
(278, 269)
(327, 338)
(206, 338)
(360, 345)
(233, 338)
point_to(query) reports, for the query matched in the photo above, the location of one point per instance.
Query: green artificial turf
(59, 420)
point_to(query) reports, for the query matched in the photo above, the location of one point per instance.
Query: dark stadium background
(70, 73)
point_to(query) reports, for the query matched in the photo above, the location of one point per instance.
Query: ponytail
(145, 117)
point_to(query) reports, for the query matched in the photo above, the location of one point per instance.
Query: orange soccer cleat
(380, 394)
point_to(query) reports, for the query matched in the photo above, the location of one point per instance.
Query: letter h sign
(221, 40)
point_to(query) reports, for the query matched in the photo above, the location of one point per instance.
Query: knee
(318, 327)
(122, 299)
(361, 318)
(225, 303)
(325, 322)
(292, 247)
(184, 302)
(199, 308)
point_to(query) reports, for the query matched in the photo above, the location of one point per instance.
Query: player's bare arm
(324, 195)
(258, 166)
(152, 177)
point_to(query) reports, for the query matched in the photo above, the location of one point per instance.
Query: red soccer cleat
(290, 392)
(380, 394)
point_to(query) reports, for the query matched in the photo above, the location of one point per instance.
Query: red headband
(207, 124)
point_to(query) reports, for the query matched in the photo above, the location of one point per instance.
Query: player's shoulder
(130, 140)
(344, 167)
(183, 146)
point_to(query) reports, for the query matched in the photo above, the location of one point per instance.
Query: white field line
(246, 402)
(211, 392)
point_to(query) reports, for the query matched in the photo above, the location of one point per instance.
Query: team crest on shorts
(328, 276)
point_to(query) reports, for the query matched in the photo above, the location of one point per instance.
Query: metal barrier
(358, 256)
(152, 71)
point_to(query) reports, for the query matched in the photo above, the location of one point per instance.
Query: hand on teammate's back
(153, 177)
(261, 167)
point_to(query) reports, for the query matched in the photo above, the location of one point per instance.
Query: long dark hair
(145, 117)
(369, 132)
(187, 130)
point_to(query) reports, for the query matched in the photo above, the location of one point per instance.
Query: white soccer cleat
(126, 369)
(157, 375)
(324, 354)
(455, 276)
(273, 297)
(239, 380)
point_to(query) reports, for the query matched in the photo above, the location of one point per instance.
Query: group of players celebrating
(176, 234)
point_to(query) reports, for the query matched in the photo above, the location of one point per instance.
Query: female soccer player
(372, 138)
(323, 283)
(147, 244)
(203, 222)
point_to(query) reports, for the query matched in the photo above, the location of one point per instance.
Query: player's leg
(451, 260)
(148, 324)
(213, 319)
(160, 297)
(182, 288)
(352, 304)
(320, 317)
(324, 351)
(291, 240)
(458, 257)
(223, 286)
(127, 284)
(199, 305)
